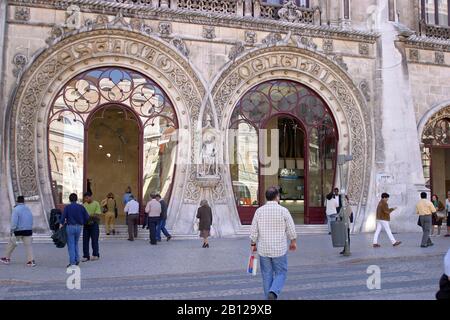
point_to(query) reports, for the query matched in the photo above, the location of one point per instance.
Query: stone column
(173, 4)
(256, 8)
(5, 207)
(335, 9)
(165, 4)
(398, 164)
(155, 3)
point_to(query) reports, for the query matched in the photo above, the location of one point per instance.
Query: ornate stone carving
(56, 33)
(437, 129)
(439, 57)
(165, 29)
(364, 49)
(290, 12)
(22, 14)
(298, 62)
(236, 50)
(56, 65)
(365, 89)
(328, 46)
(73, 17)
(305, 42)
(20, 61)
(272, 39)
(414, 55)
(339, 59)
(250, 37)
(178, 43)
(209, 32)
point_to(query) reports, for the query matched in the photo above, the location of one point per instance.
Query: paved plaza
(181, 269)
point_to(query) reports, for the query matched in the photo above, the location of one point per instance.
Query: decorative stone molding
(55, 66)
(178, 43)
(414, 55)
(250, 38)
(327, 46)
(22, 14)
(305, 42)
(324, 76)
(236, 50)
(439, 57)
(73, 17)
(209, 32)
(364, 49)
(20, 61)
(365, 89)
(165, 29)
(339, 59)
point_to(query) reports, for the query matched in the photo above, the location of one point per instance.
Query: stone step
(143, 234)
(300, 229)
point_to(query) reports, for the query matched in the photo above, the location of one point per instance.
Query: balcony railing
(434, 31)
(240, 8)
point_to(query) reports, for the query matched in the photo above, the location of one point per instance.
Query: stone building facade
(365, 78)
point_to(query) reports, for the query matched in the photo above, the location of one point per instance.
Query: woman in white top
(331, 210)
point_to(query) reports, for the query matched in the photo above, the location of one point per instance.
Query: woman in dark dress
(436, 220)
(204, 214)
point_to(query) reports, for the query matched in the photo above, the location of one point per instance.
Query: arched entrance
(283, 134)
(436, 153)
(110, 128)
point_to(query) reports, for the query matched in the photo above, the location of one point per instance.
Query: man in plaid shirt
(271, 228)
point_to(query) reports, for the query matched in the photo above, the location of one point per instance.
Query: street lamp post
(341, 161)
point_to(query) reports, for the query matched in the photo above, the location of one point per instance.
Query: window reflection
(244, 164)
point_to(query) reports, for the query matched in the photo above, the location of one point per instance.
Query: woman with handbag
(109, 206)
(438, 216)
(204, 214)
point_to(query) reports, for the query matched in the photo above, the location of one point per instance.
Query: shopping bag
(252, 265)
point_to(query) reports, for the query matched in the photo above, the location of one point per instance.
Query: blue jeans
(161, 227)
(73, 235)
(274, 273)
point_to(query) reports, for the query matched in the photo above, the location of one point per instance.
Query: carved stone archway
(27, 123)
(325, 77)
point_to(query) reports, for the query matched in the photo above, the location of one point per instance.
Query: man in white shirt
(447, 209)
(132, 211)
(153, 210)
(271, 228)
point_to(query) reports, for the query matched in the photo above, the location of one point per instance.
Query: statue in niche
(208, 167)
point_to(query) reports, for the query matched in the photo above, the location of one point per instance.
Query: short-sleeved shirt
(425, 208)
(93, 208)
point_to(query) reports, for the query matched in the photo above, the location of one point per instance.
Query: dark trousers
(425, 221)
(132, 220)
(152, 224)
(92, 233)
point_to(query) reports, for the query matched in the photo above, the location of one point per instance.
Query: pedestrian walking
(74, 216)
(127, 196)
(425, 209)
(331, 210)
(271, 228)
(161, 227)
(109, 206)
(444, 283)
(132, 211)
(347, 216)
(22, 230)
(153, 211)
(383, 219)
(436, 218)
(204, 214)
(338, 198)
(447, 209)
(91, 229)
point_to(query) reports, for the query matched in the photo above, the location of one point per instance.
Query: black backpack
(55, 216)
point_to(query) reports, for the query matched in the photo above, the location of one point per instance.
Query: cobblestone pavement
(182, 270)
